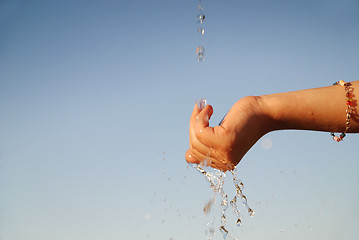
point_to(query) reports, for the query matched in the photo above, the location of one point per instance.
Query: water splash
(216, 178)
(239, 192)
(236, 211)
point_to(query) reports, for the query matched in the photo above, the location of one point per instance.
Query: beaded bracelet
(348, 94)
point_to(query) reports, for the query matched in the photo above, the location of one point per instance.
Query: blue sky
(95, 98)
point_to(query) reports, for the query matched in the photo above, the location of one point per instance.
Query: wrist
(269, 112)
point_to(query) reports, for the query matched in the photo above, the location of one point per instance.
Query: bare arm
(319, 109)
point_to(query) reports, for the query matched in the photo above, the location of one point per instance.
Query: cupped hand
(224, 146)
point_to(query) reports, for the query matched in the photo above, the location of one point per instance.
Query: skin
(223, 147)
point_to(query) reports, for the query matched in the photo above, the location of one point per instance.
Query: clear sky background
(95, 98)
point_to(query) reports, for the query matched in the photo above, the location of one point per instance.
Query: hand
(224, 146)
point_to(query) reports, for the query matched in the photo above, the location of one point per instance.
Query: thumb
(202, 119)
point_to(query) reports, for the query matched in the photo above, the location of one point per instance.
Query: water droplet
(239, 222)
(224, 231)
(208, 206)
(199, 7)
(200, 53)
(200, 30)
(266, 143)
(147, 216)
(250, 212)
(201, 18)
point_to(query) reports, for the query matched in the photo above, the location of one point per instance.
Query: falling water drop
(200, 18)
(200, 53)
(199, 6)
(200, 30)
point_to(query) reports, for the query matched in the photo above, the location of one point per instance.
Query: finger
(199, 150)
(208, 161)
(202, 118)
(190, 158)
(203, 148)
(216, 159)
(222, 166)
(201, 126)
(200, 153)
(198, 115)
(195, 112)
(193, 156)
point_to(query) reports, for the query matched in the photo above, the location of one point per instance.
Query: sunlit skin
(250, 118)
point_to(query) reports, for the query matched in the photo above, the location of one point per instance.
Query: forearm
(319, 109)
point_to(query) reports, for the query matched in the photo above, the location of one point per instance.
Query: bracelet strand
(348, 94)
